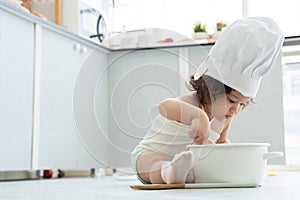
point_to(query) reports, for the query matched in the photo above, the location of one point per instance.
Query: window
(180, 16)
(291, 99)
(284, 12)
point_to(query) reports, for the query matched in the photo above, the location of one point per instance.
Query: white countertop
(48, 24)
(284, 185)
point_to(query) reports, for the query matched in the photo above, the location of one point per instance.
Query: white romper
(169, 137)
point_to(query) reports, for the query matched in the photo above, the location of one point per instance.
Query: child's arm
(187, 114)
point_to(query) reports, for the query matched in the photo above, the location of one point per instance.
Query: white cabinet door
(16, 89)
(138, 81)
(68, 129)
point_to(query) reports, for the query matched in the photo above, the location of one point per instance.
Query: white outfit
(169, 137)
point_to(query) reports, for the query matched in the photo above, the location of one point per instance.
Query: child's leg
(149, 166)
(155, 167)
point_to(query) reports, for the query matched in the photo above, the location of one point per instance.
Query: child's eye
(230, 100)
(244, 104)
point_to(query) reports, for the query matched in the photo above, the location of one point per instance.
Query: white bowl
(237, 163)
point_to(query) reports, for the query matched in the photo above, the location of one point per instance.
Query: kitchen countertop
(281, 185)
(60, 29)
(50, 25)
(44, 23)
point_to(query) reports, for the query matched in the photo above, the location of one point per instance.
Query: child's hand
(209, 141)
(199, 131)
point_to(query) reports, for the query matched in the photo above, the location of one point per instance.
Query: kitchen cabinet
(69, 133)
(16, 88)
(138, 81)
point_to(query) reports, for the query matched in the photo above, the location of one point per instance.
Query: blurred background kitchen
(122, 15)
(81, 16)
(127, 24)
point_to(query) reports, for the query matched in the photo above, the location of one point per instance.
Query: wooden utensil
(157, 186)
(192, 186)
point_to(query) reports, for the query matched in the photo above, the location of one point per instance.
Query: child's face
(227, 106)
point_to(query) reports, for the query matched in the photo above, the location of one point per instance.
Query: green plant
(199, 27)
(220, 26)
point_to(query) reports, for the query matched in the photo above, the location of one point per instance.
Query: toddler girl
(223, 85)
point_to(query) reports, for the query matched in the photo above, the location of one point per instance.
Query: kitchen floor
(281, 185)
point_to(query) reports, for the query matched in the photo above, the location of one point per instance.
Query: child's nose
(235, 109)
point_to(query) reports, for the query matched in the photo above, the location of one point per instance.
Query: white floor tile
(285, 185)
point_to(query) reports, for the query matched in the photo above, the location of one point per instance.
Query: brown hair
(208, 88)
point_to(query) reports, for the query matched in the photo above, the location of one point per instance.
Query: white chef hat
(243, 53)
